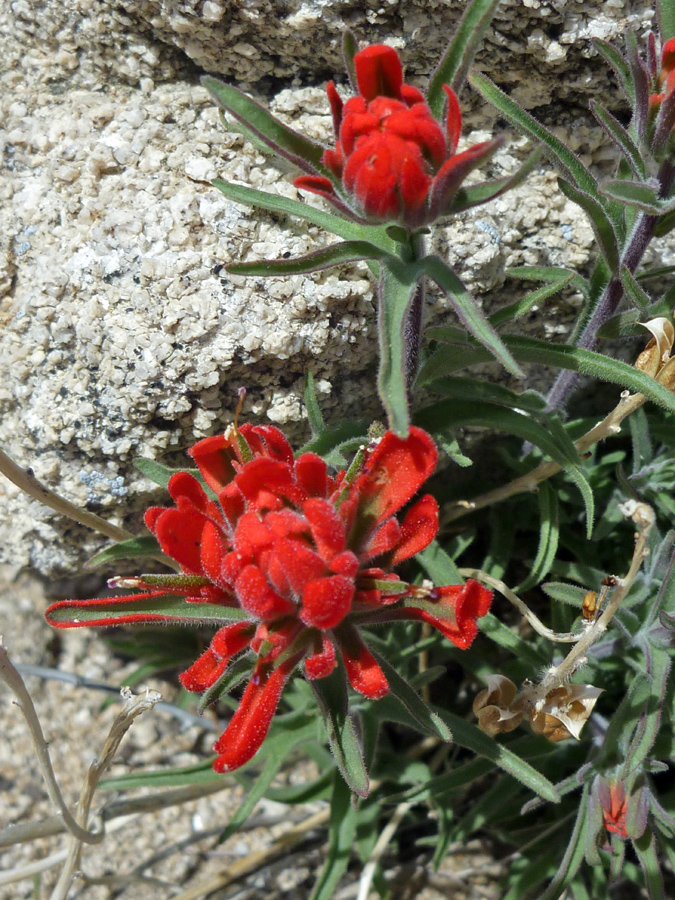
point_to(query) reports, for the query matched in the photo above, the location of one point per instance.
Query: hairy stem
(606, 306)
(637, 244)
(413, 324)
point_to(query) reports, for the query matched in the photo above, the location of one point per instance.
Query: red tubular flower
(293, 560)
(396, 162)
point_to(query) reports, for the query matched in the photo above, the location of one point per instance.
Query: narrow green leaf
(574, 854)
(534, 298)
(350, 231)
(469, 312)
(276, 749)
(548, 537)
(486, 392)
(350, 47)
(334, 255)
(472, 738)
(438, 565)
(656, 272)
(562, 356)
(525, 651)
(649, 720)
(448, 783)
(157, 472)
(456, 61)
(665, 224)
(333, 443)
(600, 223)
(620, 66)
(179, 777)
(314, 415)
(634, 292)
(331, 695)
(300, 150)
(554, 442)
(643, 450)
(557, 152)
(140, 546)
(621, 138)
(665, 10)
(343, 821)
(395, 295)
(405, 694)
(235, 673)
(308, 792)
(571, 594)
(638, 195)
(551, 275)
(170, 608)
(645, 850)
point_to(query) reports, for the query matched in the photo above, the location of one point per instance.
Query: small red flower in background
(298, 559)
(665, 80)
(613, 799)
(392, 156)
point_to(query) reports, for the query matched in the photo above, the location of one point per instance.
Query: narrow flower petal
(363, 671)
(452, 610)
(316, 184)
(203, 673)
(311, 474)
(336, 105)
(323, 661)
(179, 533)
(418, 529)
(453, 121)
(327, 529)
(378, 72)
(215, 457)
(226, 643)
(394, 471)
(249, 725)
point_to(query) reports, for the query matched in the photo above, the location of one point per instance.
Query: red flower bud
(391, 154)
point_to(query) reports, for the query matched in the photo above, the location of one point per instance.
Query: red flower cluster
(297, 560)
(391, 154)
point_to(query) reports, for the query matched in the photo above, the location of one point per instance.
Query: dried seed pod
(564, 711)
(495, 708)
(656, 354)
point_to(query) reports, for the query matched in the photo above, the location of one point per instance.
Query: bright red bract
(305, 556)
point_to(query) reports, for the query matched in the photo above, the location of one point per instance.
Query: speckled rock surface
(120, 333)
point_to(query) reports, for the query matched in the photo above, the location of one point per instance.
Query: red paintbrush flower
(394, 159)
(295, 561)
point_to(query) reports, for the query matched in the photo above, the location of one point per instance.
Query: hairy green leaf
(331, 695)
(350, 231)
(456, 61)
(300, 150)
(548, 537)
(395, 295)
(562, 356)
(136, 547)
(334, 255)
(534, 298)
(558, 153)
(621, 138)
(469, 312)
(600, 223)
